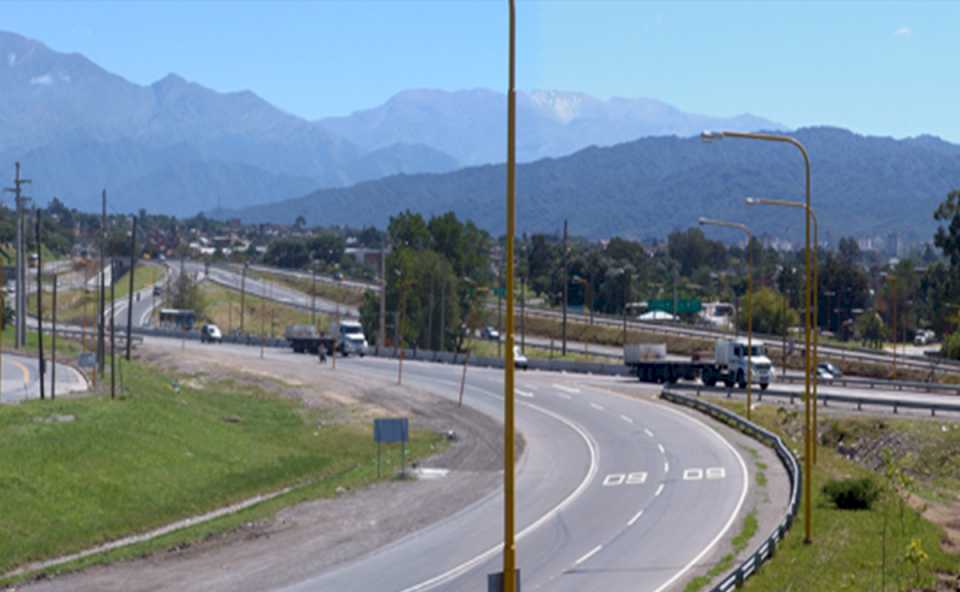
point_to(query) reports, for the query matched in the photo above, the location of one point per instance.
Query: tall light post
(807, 489)
(587, 302)
(510, 574)
(787, 203)
(744, 229)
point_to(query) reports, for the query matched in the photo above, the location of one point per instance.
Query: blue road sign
(392, 429)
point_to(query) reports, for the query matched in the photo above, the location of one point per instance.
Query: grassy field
(223, 309)
(325, 290)
(79, 306)
(849, 546)
(161, 454)
(488, 349)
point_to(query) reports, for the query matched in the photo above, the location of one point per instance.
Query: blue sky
(877, 68)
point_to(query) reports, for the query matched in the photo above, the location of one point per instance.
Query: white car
(210, 333)
(520, 360)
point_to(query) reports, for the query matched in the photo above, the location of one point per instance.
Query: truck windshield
(758, 350)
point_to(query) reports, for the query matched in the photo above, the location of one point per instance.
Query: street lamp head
(750, 201)
(701, 221)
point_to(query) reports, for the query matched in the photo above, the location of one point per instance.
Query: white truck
(350, 338)
(729, 365)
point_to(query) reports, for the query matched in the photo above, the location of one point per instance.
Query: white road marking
(647, 432)
(660, 446)
(635, 518)
(666, 467)
(568, 389)
(563, 396)
(588, 555)
(626, 419)
(614, 480)
(692, 474)
(526, 394)
(659, 490)
(597, 407)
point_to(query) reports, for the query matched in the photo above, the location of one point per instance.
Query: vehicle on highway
(828, 370)
(210, 333)
(490, 333)
(338, 276)
(924, 337)
(351, 340)
(306, 339)
(519, 360)
(651, 363)
(157, 291)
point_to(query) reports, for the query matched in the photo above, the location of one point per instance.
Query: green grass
(847, 545)
(326, 290)
(488, 349)
(725, 564)
(146, 274)
(157, 455)
(261, 315)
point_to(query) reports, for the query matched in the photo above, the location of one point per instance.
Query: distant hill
(646, 188)
(469, 124)
(178, 147)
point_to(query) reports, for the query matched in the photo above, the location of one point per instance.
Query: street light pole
(744, 229)
(510, 576)
(808, 468)
(754, 201)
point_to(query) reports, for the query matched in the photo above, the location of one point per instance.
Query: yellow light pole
(509, 541)
(787, 203)
(744, 229)
(808, 468)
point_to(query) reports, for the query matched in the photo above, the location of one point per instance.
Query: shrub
(852, 494)
(951, 346)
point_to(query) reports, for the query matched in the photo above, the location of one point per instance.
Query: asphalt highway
(616, 493)
(21, 379)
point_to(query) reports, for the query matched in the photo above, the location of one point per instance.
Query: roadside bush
(852, 494)
(951, 347)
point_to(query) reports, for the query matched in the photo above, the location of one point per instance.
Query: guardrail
(768, 548)
(486, 362)
(899, 385)
(827, 398)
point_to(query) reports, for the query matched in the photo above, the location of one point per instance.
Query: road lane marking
(526, 394)
(647, 432)
(567, 389)
(659, 491)
(662, 450)
(590, 554)
(666, 467)
(24, 369)
(626, 419)
(563, 396)
(635, 518)
(597, 407)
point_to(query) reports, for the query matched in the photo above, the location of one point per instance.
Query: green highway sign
(684, 306)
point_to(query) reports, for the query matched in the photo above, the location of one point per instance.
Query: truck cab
(350, 338)
(732, 357)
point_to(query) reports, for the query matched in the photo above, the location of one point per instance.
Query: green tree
(771, 312)
(871, 329)
(948, 239)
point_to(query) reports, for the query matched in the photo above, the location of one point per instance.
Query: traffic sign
(684, 305)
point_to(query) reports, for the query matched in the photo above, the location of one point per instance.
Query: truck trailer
(651, 363)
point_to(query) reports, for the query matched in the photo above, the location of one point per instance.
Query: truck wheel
(728, 382)
(763, 387)
(711, 382)
(741, 380)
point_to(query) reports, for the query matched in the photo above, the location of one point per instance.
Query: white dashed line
(526, 394)
(666, 467)
(626, 419)
(589, 555)
(635, 518)
(567, 389)
(597, 407)
(662, 450)
(659, 490)
(647, 432)
(563, 396)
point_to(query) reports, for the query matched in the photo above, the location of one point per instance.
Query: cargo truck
(651, 363)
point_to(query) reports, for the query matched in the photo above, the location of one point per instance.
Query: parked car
(520, 360)
(490, 332)
(210, 333)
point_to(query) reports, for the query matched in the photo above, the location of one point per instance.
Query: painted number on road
(698, 474)
(617, 479)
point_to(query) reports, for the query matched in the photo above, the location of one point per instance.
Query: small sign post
(391, 430)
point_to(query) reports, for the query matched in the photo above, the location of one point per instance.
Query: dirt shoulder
(306, 538)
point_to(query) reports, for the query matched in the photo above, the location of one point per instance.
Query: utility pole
(443, 316)
(53, 344)
(243, 294)
(36, 221)
(430, 308)
(20, 305)
(566, 280)
(102, 304)
(523, 313)
(113, 335)
(499, 308)
(313, 294)
(133, 267)
(382, 333)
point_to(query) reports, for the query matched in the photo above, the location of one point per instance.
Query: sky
(886, 69)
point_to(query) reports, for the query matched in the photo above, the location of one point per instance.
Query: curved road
(21, 379)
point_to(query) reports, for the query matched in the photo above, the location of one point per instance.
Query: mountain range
(646, 188)
(178, 147)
